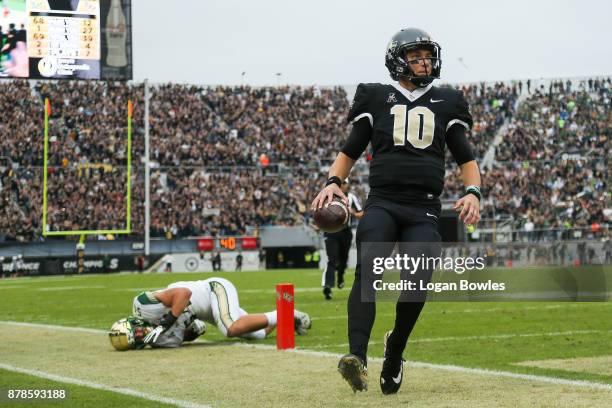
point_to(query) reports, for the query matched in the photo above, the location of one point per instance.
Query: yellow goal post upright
(83, 233)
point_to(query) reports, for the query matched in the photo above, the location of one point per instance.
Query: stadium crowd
(224, 126)
(227, 159)
(490, 105)
(552, 167)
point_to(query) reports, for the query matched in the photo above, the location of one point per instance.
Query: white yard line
(448, 367)
(53, 327)
(445, 367)
(416, 340)
(47, 278)
(475, 310)
(273, 291)
(508, 336)
(133, 290)
(90, 384)
(249, 291)
(65, 288)
(487, 337)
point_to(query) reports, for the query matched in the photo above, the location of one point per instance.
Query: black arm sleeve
(459, 145)
(358, 139)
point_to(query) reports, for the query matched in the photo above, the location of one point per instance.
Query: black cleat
(354, 371)
(392, 372)
(327, 292)
(340, 283)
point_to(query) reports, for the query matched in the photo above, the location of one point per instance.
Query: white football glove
(153, 335)
(165, 323)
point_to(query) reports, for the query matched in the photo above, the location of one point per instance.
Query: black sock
(360, 322)
(406, 315)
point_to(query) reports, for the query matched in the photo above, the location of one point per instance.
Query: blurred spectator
(211, 145)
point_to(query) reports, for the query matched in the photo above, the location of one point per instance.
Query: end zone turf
(595, 365)
(230, 374)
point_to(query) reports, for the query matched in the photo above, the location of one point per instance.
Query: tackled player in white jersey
(168, 317)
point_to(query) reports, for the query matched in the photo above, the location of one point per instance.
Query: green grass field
(508, 337)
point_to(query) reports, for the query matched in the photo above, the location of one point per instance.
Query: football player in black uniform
(409, 124)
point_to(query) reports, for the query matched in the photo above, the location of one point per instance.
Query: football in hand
(333, 216)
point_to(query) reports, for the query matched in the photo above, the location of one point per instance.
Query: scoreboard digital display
(227, 243)
(66, 39)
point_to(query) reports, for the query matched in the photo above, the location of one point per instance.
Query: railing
(507, 234)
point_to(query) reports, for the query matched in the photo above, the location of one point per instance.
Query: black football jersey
(408, 136)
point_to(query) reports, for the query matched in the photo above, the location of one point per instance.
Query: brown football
(333, 216)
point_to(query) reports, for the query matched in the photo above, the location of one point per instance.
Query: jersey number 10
(420, 125)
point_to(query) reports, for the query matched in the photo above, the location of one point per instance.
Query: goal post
(128, 196)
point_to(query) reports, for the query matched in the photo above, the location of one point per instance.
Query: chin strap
(420, 82)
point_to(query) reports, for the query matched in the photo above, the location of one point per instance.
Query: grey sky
(330, 42)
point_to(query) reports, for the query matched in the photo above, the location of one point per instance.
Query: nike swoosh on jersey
(431, 215)
(436, 100)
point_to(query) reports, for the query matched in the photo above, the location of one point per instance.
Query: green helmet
(129, 333)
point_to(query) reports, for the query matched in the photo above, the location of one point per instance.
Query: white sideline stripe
(446, 367)
(509, 336)
(296, 290)
(135, 290)
(53, 327)
(489, 310)
(63, 288)
(491, 336)
(85, 383)
(37, 279)
(417, 340)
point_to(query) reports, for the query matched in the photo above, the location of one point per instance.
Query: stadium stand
(551, 172)
(227, 159)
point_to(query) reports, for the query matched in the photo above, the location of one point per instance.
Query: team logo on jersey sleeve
(391, 98)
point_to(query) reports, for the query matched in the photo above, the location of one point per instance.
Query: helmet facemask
(129, 333)
(399, 68)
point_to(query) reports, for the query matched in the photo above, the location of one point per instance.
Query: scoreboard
(64, 34)
(71, 39)
(56, 40)
(242, 243)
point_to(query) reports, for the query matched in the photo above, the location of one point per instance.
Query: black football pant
(385, 223)
(337, 246)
